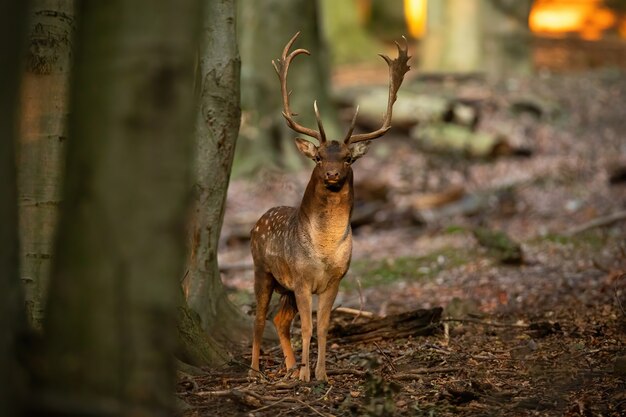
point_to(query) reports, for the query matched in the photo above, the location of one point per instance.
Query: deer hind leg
(324, 306)
(282, 321)
(263, 288)
(303, 300)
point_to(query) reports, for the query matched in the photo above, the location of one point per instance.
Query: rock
(500, 245)
(455, 139)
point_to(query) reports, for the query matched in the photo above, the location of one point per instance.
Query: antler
(397, 68)
(282, 68)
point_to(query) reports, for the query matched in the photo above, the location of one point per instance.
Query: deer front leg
(324, 307)
(303, 300)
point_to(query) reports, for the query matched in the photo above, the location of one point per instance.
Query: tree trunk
(217, 126)
(42, 143)
(477, 36)
(344, 26)
(266, 26)
(453, 40)
(195, 346)
(507, 37)
(110, 326)
(13, 16)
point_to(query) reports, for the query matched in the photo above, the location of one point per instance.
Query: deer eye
(318, 159)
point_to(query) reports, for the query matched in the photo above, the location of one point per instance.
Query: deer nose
(332, 175)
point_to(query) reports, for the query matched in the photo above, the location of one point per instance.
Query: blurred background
(509, 119)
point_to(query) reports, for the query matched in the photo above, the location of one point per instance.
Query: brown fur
(304, 251)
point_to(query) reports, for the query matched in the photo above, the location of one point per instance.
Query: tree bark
(266, 26)
(195, 346)
(12, 316)
(507, 37)
(217, 126)
(42, 143)
(114, 291)
(488, 36)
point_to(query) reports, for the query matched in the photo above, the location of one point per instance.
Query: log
(425, 201)
(409, 110)
(448, 138)
(419, 322)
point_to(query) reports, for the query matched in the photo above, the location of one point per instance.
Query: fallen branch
(487, 323)
(412, 323)
(346, 371)
(265, 407)
(246, 397)
(414, 374)
(597, 222)
(354, 312)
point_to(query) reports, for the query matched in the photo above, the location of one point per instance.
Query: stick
(425, 371)
(312, 409)
(487, 323)
(355, 312)
(355, 372)
(597, 222)
(265, 407)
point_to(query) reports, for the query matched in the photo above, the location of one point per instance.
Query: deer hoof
(253, 373)
(321, 375)
(305, 374)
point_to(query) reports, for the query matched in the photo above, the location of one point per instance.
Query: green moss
(454, 229)
(379, 272)
(592, 240)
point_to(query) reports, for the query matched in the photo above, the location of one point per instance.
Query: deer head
(334, 158)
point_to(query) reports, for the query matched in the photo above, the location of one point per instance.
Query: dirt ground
(542, 337)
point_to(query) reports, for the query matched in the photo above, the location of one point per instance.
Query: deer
(306, 250)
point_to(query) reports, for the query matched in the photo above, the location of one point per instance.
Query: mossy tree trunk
(507, 37)
(469, 36)
(110, 326)
(453, 27)
(13, 15)
(344, 24)
(217, 126)
(265, 28)
(42, 143)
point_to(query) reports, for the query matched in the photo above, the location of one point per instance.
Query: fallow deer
(306, 250)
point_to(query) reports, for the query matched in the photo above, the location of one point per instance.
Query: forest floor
(542, 336)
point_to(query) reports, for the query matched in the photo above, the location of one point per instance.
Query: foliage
(380, 272)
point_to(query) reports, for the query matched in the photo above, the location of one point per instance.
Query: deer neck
(324, 214)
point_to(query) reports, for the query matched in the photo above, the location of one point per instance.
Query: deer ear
(359, 149)
(306, 148)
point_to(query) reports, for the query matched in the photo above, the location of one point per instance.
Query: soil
(545, 336)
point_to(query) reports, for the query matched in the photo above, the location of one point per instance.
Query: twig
(425, 371)
(487, 323)
(597, 222)
(245, 365)
(345, 372)
(312, 409)
(355, 312)
(599, 266)
(387, 358)
(265, 407)
(325, 394)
